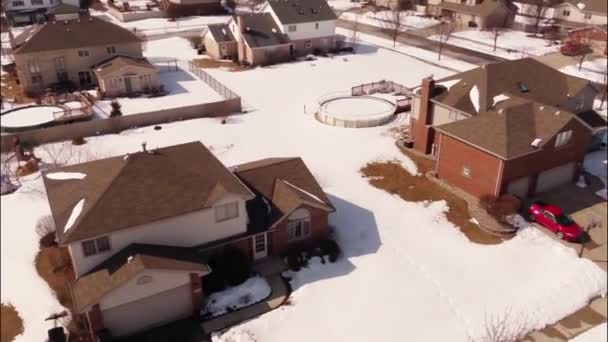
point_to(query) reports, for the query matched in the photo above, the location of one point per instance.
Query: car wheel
(560, 235)
(531, 218)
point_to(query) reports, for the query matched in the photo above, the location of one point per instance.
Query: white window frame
(95, 244)
(40, 2)
(18, 3)
(34, 67)
(83, 53)
(563, 138)
(292, 28)
(298, 229)
(227, 211)
(111, 50)
(566, 13)
(588, 15)
(466, 171)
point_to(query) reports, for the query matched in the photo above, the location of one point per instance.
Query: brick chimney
(422, 130)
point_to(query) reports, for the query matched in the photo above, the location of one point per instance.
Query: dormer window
(96, 246)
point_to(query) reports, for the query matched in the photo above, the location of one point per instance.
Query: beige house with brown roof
(516, 127)
(141, 227)
(65, 52)
(482, 14)
(121, 75)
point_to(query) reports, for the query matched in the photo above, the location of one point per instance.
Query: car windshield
(564, 220)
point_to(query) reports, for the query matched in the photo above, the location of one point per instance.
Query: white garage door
(150, 312)
(519, 187)
(555, 177)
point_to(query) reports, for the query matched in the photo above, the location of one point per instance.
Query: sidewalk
(279, 294)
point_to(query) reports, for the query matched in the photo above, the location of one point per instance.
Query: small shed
(123, 75)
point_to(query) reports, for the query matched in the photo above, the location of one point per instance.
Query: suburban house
(595, 36)
(180, 8)
(482, 14)
(141, 227)
(25, 12)
(280, 31)
(63, 52)
(516, 127)
(565, 14)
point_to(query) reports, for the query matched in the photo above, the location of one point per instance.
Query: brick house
(63, 51)
(516, 127)
(596, 36)
(141, 227)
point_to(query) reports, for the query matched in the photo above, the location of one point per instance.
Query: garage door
(149, 312)
(519, 187)
(555, 177)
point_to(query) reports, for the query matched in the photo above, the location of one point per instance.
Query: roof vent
(143, 146)
(522, 87)
(536, 142)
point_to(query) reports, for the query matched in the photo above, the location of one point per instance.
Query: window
(54, 2)
(466, 171)
(549, 216)
(59, 63)
(566, 13)
(37, 2)
(18, 3)
(298, 229)
(111, 49)
(226, 211)
(34, 67)
(83, 53)
(563, 138)
(587, 15)
(291, 28)
(316, 26)
(99, 245)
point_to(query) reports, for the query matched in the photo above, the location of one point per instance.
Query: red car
(555, 220)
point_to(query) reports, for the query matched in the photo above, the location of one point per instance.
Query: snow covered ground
(597, 334)
(31, 116)
(343, 5)
(354, 108)
(510, 44)
(184, 87)
(253, 290)
(594, 70)
(405, 269)
(386, 19)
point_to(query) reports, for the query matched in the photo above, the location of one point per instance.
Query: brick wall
(319, 230)
(454, 155)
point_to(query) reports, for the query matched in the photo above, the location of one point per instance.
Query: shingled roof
(118, 62)
(302, 11)
(125, 191)
(260, 30)
(126, 265)
(221, 33)
(72, 34)
(540, 83)
(509, 129)
(284, 182)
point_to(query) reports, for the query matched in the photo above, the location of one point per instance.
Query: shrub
(295, 261)
(78, 141)
(331, 249)
(116, 109)
(45, 229)
(500, 207)
(230, 268)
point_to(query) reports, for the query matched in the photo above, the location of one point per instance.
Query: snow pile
(74, 215)
(592, 70)
(499, 98)
(253, 290)
(474, 97)
(509, 45)
(65, 175)
(596, 334)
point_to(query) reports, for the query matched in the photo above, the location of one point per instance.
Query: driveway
(583, 206)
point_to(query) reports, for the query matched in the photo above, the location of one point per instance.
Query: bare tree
(445, 31)
(395, 24)
(65, 153)
(538, 11)
(354, 34)
(496, 32)
(503, 328)
(585, 51)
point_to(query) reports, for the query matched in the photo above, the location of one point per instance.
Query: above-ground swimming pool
(39, 116)
(344, 110)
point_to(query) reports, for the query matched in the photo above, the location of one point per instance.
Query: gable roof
(126, 191)
(509, 129)
(118, 62)
(285, 182)
(545, 85)
(73, 34)
(483, 9)
(302, 11)
(126, 265)
(221, 33)
(260, 30)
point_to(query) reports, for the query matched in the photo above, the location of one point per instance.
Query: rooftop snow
(448, 84)
(499, 98)
(474, 96)
(74, 215)
(65, 175)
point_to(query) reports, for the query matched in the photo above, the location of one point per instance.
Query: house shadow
(365, 49)
(355, 230)
(172, 79)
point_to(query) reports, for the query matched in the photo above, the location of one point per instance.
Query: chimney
(421, 127)
(143, 146)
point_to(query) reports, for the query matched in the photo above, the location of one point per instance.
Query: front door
(128, 85)
(260, 246)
